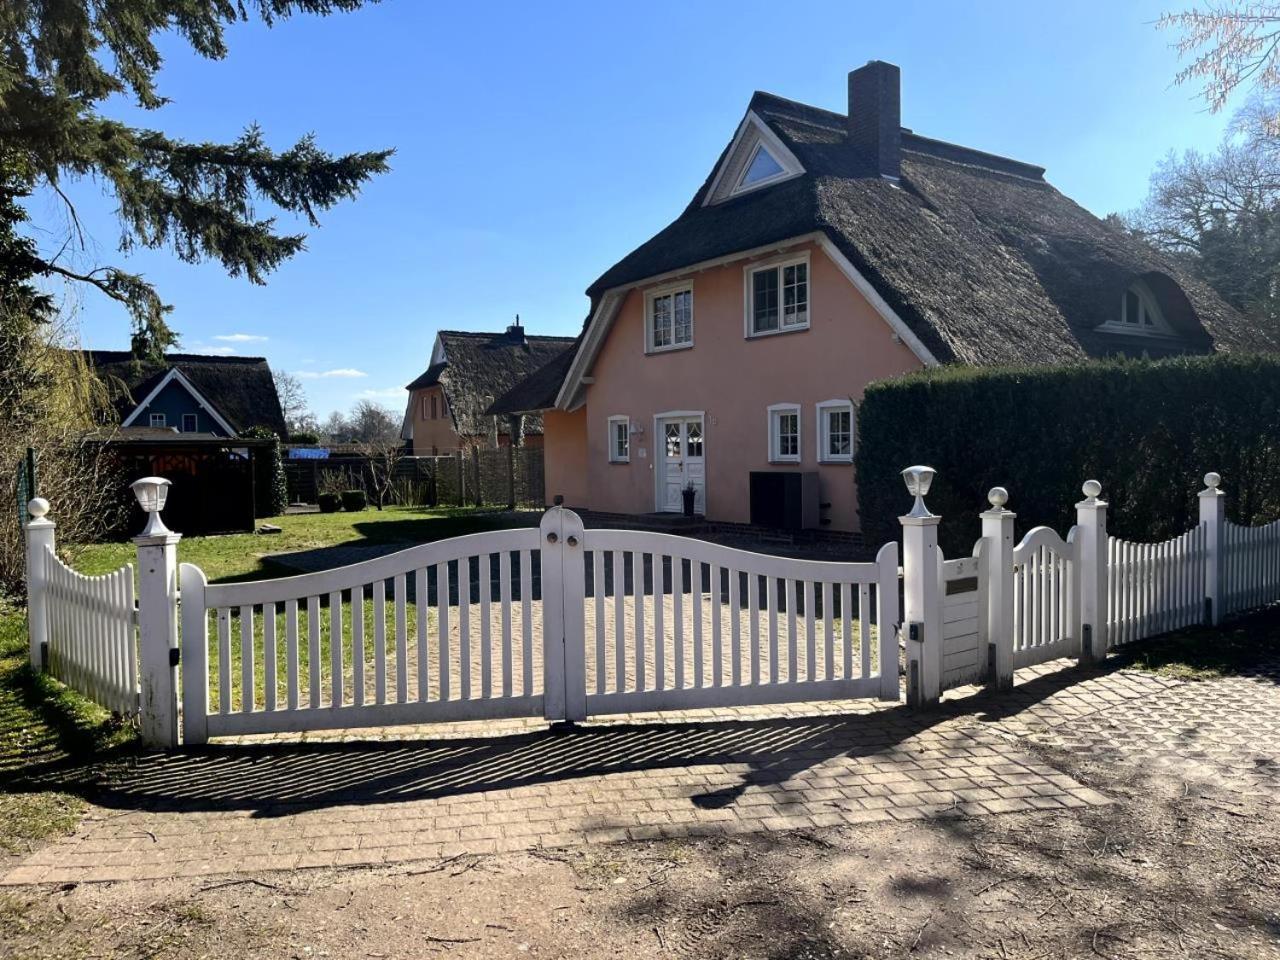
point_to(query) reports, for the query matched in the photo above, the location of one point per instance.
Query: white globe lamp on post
(152, 492)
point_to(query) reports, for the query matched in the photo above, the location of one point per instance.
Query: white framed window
(1139, 314)
(777, 296)
(189, 424)
(158, 420)
(761, 169)
(668, 323)
(619, 440)
(835, 431)
(784, 433)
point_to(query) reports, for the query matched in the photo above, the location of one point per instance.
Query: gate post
(1091, 573)
(997, 531)
(564, 688)
(157, 617)
(40, 537)
(1213, 517)
(921, 593)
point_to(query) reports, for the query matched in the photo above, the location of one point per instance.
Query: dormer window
(1139, 314)
(762, 168)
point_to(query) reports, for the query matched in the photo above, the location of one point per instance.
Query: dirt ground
(1173, 869)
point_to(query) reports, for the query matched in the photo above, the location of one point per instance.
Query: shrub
(303, 438)
(1148, 430)
(353, 500)
(329, 502)
(271, 493)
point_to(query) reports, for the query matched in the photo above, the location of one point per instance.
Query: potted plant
(690, 492)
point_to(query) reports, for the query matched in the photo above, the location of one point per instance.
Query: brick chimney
(875, 117)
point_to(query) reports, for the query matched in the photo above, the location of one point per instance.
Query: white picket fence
(1250, 566)
(92, 633)
(565, 623)
(1155, 588)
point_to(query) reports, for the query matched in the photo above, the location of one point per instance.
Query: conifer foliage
(60, 60)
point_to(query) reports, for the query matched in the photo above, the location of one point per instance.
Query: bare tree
(370, 422)
(1229, 45)
(384, 455)
(1220, 212)
(293, 403)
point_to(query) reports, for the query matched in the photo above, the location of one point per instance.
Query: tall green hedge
(270, 494)
(1148, 430)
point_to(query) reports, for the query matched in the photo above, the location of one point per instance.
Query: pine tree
(59, 62)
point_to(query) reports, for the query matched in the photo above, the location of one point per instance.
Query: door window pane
(672, 433)
(693, 440)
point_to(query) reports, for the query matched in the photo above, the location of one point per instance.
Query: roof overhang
(571, 396)
(176, 374)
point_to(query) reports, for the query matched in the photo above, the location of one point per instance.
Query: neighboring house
(823, 252)
(448, 403)
(204, 396)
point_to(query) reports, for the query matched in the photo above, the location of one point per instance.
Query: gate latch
(173, 656)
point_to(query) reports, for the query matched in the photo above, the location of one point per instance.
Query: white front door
(681, 463)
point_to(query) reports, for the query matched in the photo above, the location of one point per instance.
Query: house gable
(174, 398)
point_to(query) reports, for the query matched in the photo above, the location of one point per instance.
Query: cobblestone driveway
(419, 793)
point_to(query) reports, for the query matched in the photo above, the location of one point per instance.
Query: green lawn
(1206, 653)
(243, 556)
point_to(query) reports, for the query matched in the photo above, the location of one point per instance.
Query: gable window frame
(742, 186)
(825, 409)
(779, 266)
(776, 414)
(1139, 314)
(193, 420)
(619, 440)
(158, 421)
(670, 293)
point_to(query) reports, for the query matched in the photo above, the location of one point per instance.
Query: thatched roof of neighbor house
(240, 387)
(480, 367)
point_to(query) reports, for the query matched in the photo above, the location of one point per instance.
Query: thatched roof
(538, 390)
(240, 387)
(981, 258)
(979, 255)
(480, 367)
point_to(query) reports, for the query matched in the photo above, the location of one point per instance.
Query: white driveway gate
(554, 622)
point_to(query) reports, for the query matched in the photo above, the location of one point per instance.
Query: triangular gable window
(756, 158)
(762, 167)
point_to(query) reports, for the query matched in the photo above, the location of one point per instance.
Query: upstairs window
(189, 423)
(669, 319)
(433, 407)
(619, 440)
(835, 431)
(158, 420)
(1139, 314)
(778, 297)
(784, 433)
(761, 169)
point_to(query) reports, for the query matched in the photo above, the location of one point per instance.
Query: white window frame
(614, 456)
(741, 186)
(778, 265)
(670, 290)
(775, 414)
(823, 430)
(1147, 306)
(158, 421)
(195, 423)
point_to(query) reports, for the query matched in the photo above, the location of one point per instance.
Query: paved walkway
(387, 797)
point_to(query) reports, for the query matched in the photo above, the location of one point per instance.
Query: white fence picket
(1154, 588)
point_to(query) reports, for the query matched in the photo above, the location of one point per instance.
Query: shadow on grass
(1207, 653)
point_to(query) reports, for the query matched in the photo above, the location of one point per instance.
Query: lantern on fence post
(152, 492)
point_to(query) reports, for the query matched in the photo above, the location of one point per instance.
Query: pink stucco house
(825, 251)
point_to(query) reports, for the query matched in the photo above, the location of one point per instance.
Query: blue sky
(539, 143)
